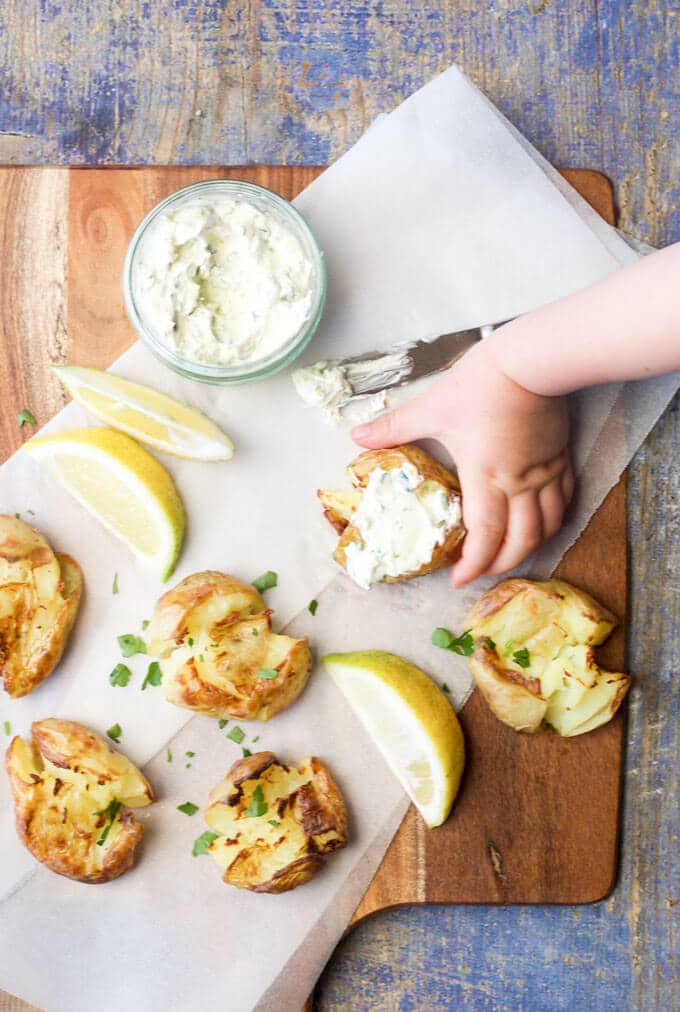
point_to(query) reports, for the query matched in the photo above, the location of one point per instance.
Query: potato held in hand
(275, 823)
(534, 657)
(72, 795)
(402, 519)
(218, 653)
(39, 596)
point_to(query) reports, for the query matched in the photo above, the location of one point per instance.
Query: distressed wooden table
(593, 83)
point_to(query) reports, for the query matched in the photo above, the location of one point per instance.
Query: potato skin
(359, 471)
(40, 593)
(230, 629)
(305, 804)
(553, 620)
(62, 783)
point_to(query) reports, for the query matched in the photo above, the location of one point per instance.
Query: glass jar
(269, 203)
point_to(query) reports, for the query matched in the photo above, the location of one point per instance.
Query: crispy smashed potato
(387, 544)
(39, 596)
(275, 823)
(218, 654)
(534, 657)
(72, 799)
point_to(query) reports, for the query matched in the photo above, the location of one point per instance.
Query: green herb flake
(202, 843)
(246, 752)
(31, 513)
(145, 624)
(114, 732)
(25, 417)
(201, 658)
(266, 581)
(17, 516)
(267, 673)
(154, 675)
(489, 642)
(114, 588)
(274, 822)
(7, 727)
(236, 734)
(522, 657)
(190, 755)
(507, 649)
(187, 766)
(445, 688)
(120, 675)
(258, 806)
(463, 644)
(168, 755)
(111, 811)
(222, 723)
(188, 808)
(255, 632)
(256, 738)
(190, 641)
(131, 645)
(312, 606)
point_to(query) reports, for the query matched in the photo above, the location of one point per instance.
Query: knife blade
(375, 371)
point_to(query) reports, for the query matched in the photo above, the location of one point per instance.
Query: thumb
(410, 421)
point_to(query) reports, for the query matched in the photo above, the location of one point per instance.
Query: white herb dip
(401, 518)
(222, 282)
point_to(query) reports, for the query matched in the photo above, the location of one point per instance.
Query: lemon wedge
(145, 414)
(410, 721)
(126, 488)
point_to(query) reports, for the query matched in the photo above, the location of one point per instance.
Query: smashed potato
(218, 654)
(534, 657)
(39, 596)
(72, 799)
(402, 519)
(275, 823)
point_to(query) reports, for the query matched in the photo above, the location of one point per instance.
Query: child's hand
(510, 448)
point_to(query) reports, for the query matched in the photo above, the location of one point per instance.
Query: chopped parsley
(168, 755)
(190, 755)
(111, 811)
(114, 588)
(154, 675)
(507, 649)
(489, 642)
(267, 673)
(120, 675)
(190, 641)
(266, 581)
(522, 657)
(312, 606)
(202, 843)
(463, 644)
(188, 808)
(236, 734)
(25, 417)
(274, 822)
(258, 806)
(255, 631)
(445, 688)
(7, 727)
(131, 645)
(114, 732)
(222, 723)
(256, 738)
(200, 657)
(246, 752)
(145, 624)
(17, 516)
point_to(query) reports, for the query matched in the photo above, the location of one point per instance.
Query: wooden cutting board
(537, 817)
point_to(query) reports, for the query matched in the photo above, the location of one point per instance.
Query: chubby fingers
(485, 514)
(412, 420)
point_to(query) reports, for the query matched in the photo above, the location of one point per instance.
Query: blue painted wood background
(593, 83)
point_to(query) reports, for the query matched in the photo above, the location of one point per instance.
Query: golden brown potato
(218, 654)
(402, 519)
(534, 657)
(72, 799)
(275, 823)
(39, 597)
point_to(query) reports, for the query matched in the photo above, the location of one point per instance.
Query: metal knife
(375, 371)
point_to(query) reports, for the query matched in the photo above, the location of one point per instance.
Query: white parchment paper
(441, 217)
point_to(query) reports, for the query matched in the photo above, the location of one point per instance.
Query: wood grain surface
(563, 796)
